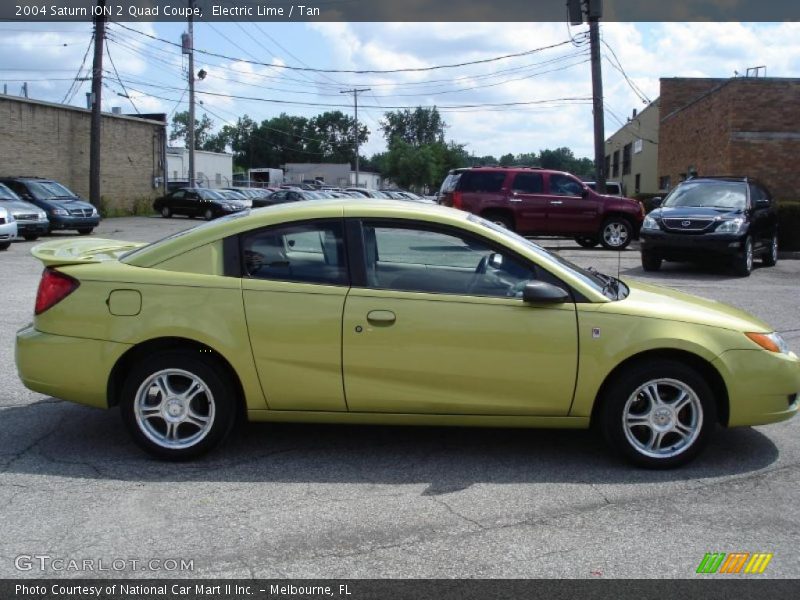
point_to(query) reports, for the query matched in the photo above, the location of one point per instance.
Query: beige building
(632, 153)
(52, 140)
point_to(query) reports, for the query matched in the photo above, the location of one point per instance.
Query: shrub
(789, 224)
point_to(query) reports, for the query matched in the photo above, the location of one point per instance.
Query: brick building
(52, 140)
(740, 126)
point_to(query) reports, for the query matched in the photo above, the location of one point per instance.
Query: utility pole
(355, 92)
(97, 118)
(190, 127)
(592, 10)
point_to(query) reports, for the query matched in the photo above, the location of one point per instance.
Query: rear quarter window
(477, 181)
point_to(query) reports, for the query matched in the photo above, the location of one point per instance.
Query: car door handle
(381, 317)
(556, 202)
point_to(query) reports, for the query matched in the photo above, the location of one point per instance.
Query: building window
(638, 145)
(218, 179)
(607, 165)
(626, 159)
(638, 185)
(664, 182)
(615, 164)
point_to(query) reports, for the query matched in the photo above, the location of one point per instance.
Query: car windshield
(210, 195)
(593, 278)
(7, 194)
(730, 195)
(49, 190)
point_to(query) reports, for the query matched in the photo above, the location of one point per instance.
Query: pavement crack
(454, 512)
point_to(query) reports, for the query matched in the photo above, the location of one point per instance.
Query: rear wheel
(770, 258)
(208, 215)
(587, 241)
(505, 221)
(166, 212)
(85, 230)
(178, 404)
(30, 237)
(616, 233)
(659, 414)
(650, 262)
(743, 263)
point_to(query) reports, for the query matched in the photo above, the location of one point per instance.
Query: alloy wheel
(615, 234)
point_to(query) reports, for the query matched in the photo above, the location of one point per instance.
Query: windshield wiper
(610, 284)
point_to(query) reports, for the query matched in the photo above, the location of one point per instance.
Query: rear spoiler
(81, 251)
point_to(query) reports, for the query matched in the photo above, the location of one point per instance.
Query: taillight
(53, 288)
(458, 200)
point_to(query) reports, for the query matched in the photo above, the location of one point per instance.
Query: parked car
(197, 202)
(732, 219)
(449, 183)
(535, 201)
(388, 312)
(64, 208)
(31, 220)
(236, 196)
(8, 228)
(613, 188)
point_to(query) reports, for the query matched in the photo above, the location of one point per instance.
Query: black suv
(64, 208)
(706, 218)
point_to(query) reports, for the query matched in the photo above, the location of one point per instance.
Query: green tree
(331, 134)
(416, 128)
(180, 127)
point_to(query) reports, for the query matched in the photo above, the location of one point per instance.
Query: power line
(618, 66)
(77, 75)
(127, 95)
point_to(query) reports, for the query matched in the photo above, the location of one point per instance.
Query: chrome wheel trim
(615, 233)
(174, 409)
(774, 249)
(748, 254)
(662, 418)
(165, 212)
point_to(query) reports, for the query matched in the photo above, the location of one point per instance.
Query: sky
(555, 79)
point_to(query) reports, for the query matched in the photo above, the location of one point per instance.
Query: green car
(388, 312)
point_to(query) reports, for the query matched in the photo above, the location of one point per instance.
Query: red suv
(535, 201)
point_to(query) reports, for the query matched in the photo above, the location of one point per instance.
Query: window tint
(527, 183)
(481, 181)
(562, 185)
(708, 194)
(306, 253)
(757, 193)
(424, 260)
(178, 195)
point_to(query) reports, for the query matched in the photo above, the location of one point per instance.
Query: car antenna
(619, 261)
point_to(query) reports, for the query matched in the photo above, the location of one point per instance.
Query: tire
(208, 215)
(505, 221)
(198, 425)
(30, 237)
(5, 246)
(743, 264)
(166, 212)
(770, 258)
(650, 262)
(637, 410)
(85, 230)
(587, 241)
(616, 233)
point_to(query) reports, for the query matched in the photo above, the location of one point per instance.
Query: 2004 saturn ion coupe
(389, 313)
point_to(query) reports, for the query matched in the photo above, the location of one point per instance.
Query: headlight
(60, 211)
(10, 218)
(42, 215)
(95, 213)
(769, 341)
(649, 223)
(732, 226)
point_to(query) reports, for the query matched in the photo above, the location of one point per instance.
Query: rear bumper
(75, 369)
(690, 247)
(763, 387)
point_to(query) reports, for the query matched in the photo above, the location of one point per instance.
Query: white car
(8, 228)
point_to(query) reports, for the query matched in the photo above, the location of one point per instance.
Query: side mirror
(539, 292)
(584, 192)
(656, 202)
(762, 203)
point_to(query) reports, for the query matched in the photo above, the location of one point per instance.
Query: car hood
(19, 206)
(660, 302)
(80, 251)
(694, 212)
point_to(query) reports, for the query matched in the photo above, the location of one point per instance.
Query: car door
(762, 217)
(529, 203)
(295, 280)
(570, 211)
(439, 327)
(176, 202)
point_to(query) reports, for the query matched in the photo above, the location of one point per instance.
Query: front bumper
(8, 231)
(762, 386)
(690, 247)
(32, 227)
(70, 368)
(61, 222)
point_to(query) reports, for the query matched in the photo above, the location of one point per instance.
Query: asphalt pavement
(342, 501)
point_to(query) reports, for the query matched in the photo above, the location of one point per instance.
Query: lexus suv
(64, 209)
(731, 219)
(534, 201)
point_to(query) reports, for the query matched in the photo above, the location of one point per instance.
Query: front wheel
(587, 242)
(178, 405)
(650, 262)
(743, 263)
(166, 212)
(616, 233)
(30, 237)
(771, 257)
(5, 246)
(85, 230)
(208, 215)
(658, 414)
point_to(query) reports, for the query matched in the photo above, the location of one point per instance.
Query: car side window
(420, 259)
(527, 183)
(178, 195)
(305, 253)
(482, 181)
(561, 185)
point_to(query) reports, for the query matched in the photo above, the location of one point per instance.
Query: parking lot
(326, 501)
